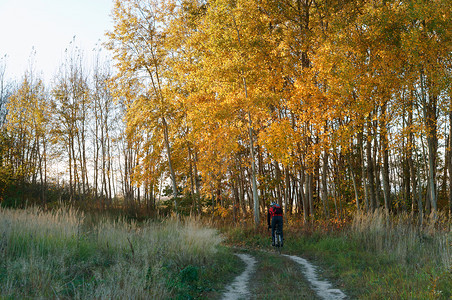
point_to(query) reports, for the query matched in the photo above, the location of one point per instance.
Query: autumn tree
(104, 126)
(234, 47)
(137, 43)
(70, 114)
(374, 56)
(5, 90)
(26, 128)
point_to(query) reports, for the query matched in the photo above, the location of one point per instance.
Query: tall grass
(417, 259)
(403, 238)
(56, 254)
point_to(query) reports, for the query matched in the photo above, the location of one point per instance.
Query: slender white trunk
(250, 130)
(170, 163)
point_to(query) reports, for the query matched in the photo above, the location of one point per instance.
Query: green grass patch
(203, 281)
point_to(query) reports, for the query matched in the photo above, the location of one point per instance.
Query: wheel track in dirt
(239, 288)
(323, 288)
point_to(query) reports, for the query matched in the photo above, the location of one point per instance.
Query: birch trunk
(170, 162)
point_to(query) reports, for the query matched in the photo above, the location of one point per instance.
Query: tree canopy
(323, 106)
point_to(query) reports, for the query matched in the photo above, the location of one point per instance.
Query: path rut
(323, 288)
(238, 289)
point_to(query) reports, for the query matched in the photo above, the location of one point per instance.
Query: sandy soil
(323, 288)
(239, 287)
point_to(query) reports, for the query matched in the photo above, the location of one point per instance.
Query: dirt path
(239, 288)
(302, 284)
(323, 288)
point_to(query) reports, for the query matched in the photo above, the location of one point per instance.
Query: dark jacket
(272, 212)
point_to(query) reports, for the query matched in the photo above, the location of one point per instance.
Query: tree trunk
(385, 150)
(432, 149)
(304, 195)
(286, 190)
(310, 196)
(376, 161)
(363, 168)
(71, 182)
(450, 163)
(406, 166)
(250, 131)
(261, 173)
(355, 185)
(242, 187)
(410, 154)
(235, 190)
(197, 193)
(370, 169)
(192, 180)
(170, 162)
(324, 184)
(278, 182)
(419, 194)
(429, 109)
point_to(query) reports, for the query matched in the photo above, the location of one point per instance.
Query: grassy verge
(376, 257)
(57, 255)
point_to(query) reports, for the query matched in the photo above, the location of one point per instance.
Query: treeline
(323, 106)
(64, 141)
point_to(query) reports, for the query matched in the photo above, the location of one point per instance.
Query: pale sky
(49, 26)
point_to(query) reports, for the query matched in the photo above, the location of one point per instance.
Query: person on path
(275, 220)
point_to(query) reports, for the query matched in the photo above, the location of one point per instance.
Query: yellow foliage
(279, 140)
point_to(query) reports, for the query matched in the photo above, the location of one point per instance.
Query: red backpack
(276, 210)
